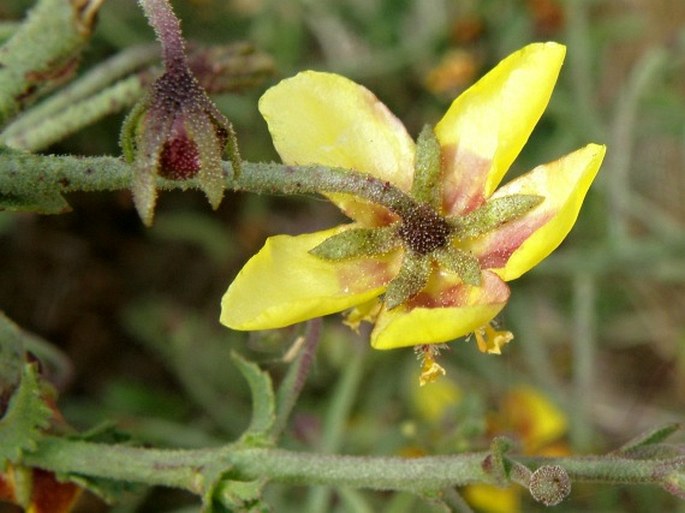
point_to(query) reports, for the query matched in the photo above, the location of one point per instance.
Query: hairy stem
(96, 82)
(23, 174)
(43, 52)
(294, 380)
(187, 468)
(168, 30)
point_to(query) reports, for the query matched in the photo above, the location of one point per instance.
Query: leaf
(11, 358)
(44, 203)
(263, 400)
(109, 490)
(231, 494)
(26, 416)
(651, 437)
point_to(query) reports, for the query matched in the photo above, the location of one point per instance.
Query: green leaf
(46, 203)
(109, 490)
(26, 417)
(11, 358)
(651, 437)
(263, 401)
(232, 494)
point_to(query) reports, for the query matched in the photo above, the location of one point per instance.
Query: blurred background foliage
(599, 353)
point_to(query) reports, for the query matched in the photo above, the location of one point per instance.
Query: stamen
(431, 370)
(490, 340)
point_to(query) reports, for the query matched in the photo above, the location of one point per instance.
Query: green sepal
(26, 417)
(494, 213)
(461, 262)
(203, 132)
(263, 402)
(357, 242)
(427, 172)
(129, 129)
(410, 280)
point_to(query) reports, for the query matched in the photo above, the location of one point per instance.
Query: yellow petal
(490, 499)
(283, 284)
(532, 416)
(446, 310)
(519, 245)
(487, 126)
(324, 118)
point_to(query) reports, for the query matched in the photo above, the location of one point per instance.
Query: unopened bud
(175, 132)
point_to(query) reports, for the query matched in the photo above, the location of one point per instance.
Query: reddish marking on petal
(464, 177)
(501, 244)
(51, 496)
(443, 293)
(446, 296)
(364, 274)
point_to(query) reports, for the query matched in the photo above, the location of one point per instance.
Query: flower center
(423, 230)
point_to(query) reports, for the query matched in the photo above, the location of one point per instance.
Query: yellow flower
(441, 271)
(538, 425)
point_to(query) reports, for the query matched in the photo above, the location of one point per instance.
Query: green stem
(297, 374)
(70, 120)
(26, 175)
(110, 88)
(336, 420)
(94, 82)
(456, 502)
(581, 67)
(187, 468)
(584, 358)
(43, 51)
(626, 120)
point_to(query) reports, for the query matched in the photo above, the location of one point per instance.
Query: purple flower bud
(175, 132)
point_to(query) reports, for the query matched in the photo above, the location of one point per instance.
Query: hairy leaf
(263, 400)
(25, 418)
(651, 437)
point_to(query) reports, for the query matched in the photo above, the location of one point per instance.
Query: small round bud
(550, 484)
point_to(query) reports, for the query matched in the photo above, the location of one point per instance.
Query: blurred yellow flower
(455, 70)
(440, 271)
(538, 425)
(537, 422)
(491, 499)
(433, 400)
